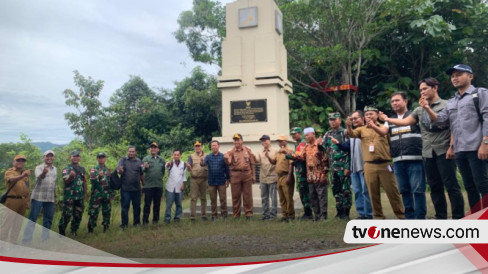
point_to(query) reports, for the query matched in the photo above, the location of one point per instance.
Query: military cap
(101, 155)
(296, 130)
(75, 153)
(369, 108)
(334, 115)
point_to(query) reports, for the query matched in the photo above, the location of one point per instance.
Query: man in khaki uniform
(17, 180)
(377, 163)
(267, 179)
(286, 182)
(198, 181)
(241, 160)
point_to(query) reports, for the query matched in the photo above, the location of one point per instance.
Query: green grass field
(220, 239)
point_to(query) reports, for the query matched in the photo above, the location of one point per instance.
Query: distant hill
(43, 146)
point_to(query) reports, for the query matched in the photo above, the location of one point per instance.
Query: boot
(90, 230)
(345, 214)
(340, 213)
(105, 228)
(62, 231)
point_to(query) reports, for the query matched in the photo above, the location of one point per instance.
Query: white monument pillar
(254, 79)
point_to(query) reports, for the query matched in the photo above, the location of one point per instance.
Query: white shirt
(176, 177)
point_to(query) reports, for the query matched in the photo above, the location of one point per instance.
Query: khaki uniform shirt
(369, 137)
(240, 159)
(267, 174)
(21, 187)
(283, 164)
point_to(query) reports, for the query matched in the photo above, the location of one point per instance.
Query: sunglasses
(21, 160)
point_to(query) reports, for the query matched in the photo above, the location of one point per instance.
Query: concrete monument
(254, 79)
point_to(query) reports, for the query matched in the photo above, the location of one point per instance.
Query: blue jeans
(173, 197)
(410, 177)
(361, 195)
(47, 219)
(126, 197)
(475, 178)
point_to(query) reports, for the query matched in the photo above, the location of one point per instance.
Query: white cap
(308, 130)
(48, 152)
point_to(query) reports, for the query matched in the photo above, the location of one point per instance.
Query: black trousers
(441, 173)
(475, 178)
(152, 195)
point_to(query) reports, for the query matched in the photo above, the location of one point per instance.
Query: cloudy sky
(43, 42)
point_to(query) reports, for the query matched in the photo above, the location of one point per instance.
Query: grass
(221, 241)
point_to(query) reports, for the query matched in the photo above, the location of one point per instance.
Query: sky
(43, 42)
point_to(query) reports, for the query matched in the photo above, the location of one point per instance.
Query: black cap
(75, 153)
(101, 155)
(264, 137)
(459, 67)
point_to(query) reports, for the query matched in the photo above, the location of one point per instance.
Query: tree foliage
(86, 121)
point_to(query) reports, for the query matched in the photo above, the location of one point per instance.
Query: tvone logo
(373, 232)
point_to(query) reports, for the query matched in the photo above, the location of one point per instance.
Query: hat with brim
(101, 155)
(75, 153)
(20, 157)
(460, 67)
(154, 144)
(197, 143)
(282, 138)
(237, 136)
(47, 152)
(264, 137)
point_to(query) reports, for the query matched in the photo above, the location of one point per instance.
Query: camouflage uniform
(338, 162)
(73, 204)
(101, 194)
(301, 175)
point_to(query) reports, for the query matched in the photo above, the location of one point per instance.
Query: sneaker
(264, 218)
(306, 217)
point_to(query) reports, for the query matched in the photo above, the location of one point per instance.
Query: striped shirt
(45, 188)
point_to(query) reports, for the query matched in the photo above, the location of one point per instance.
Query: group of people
(410, 149)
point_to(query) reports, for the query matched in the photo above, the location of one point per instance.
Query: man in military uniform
(198, 181)
(241, 160)
(74, 194)
(339, 162)
(301, 174)
(101, 194)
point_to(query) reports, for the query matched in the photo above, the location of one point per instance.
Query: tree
(87, 121)
(327, 43)
(202, 30)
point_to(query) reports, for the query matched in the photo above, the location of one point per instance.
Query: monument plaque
(249, 111)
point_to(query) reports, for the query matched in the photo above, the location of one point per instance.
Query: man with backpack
(466, 113)
(440, 168)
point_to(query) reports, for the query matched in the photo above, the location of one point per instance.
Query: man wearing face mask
(440, 167)
(467, 113)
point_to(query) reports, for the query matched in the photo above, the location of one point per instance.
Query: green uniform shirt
(338, 159)
(300, 166)
(100, 184)
(153, 176)
(74, 189)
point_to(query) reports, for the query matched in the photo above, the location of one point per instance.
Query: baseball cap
(334, 115)
(154, 144)
(264, 137)
(460, 67)
(197, 143)
(237, 136)
(296, 130)
(282, 138)
(20, 157)
(75, 153)
(101, 155)
(47, 152)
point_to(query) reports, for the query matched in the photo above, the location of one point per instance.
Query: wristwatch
(485, 141)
